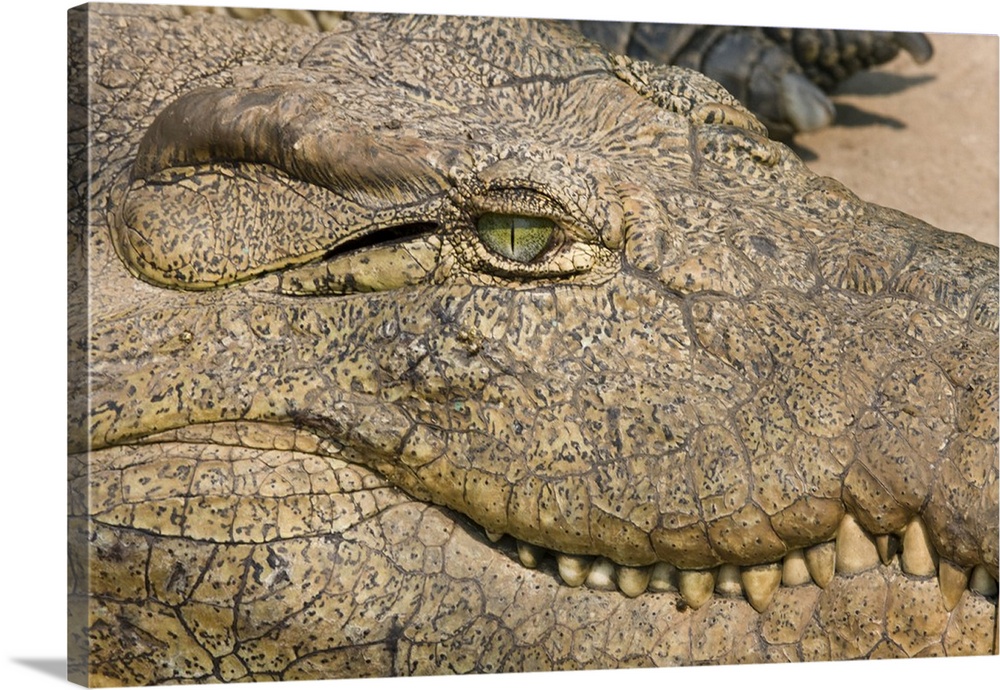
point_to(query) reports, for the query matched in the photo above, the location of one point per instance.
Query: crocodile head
(461, 345)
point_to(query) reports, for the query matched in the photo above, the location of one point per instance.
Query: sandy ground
(921, 138)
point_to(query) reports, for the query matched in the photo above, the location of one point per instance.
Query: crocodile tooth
(953, 580)
(494, 536)
(760, 582)
(919, 556)
(696, 586)
(887, 546)
(981, 582)
(632, 581)
(663, 578)
(601, 575)
(727, 581)
(794, 570)
(821, 560)
(530, 554)
(856, 551)
(573, 569)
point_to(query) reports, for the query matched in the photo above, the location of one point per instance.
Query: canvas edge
(78, 133)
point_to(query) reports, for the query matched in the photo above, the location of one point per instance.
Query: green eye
(519, 238)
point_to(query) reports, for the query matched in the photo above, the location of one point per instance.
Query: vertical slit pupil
(515, 237)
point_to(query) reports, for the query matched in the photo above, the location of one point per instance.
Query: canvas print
(410, 345)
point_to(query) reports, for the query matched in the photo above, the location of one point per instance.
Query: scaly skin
(288, 448)
(780, 74)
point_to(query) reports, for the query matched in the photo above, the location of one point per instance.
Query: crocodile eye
(519, 238)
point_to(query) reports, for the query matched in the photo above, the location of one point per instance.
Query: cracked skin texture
(299, 421)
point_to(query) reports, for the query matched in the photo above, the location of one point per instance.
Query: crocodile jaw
(619, 442)
(279, 538)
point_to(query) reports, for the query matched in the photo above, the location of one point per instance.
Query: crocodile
(783, 75)
(450, 345)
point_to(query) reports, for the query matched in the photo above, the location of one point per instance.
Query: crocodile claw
(806, 106)
(917, 45)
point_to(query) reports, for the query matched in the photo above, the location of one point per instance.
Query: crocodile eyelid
(515, 230)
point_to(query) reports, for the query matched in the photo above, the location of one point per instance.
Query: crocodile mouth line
(851, 550)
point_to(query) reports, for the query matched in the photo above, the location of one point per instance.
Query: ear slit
(389, 235)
